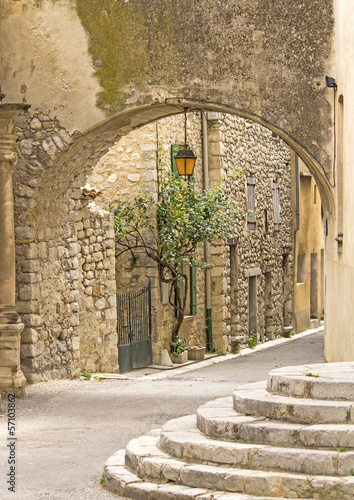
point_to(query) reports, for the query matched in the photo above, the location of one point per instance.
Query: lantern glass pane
(181, 165)
(190, 165)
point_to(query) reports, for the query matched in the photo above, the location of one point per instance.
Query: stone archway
(47, 240)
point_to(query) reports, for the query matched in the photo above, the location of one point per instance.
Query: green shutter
(174, 151)
(180, 285)
(193, 285)
(191, 177)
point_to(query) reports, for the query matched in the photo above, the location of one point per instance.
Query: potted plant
(178, 352)
(195, 352)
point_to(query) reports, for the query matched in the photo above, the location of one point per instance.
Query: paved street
(66, 430)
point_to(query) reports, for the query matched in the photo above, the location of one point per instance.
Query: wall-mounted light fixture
(185, 158)
(331, 83)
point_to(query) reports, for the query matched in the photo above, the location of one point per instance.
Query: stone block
(32, 350)
(30, 266)
(28, 292)
(32, 320)
(28, 307)
(29, 336)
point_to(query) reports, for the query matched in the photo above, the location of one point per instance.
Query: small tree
(168, 228)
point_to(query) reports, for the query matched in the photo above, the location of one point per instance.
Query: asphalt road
(66, 430)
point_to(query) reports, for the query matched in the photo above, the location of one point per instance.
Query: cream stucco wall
(339, 338)
(39, 64)
(308, 240)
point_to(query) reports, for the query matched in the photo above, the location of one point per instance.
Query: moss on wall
(117, 47)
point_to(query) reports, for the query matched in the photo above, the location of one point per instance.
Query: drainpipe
(207, 244)
(297, 227)
(297, 209)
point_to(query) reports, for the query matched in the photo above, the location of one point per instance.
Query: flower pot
(195, 353)
(180, 358)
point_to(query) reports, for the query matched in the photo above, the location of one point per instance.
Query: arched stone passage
(48, 225)
(91, 145)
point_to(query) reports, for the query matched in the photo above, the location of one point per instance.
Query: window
(251, 219)
(276, 206)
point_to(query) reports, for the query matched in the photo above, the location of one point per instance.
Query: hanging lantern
(185, 161)
(185, 158)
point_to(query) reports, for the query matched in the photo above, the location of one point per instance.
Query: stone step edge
(324, 381)
(181, 439)
(128, 485)
(310, 387)
(262, 403)
(146, 460)
(219, 420)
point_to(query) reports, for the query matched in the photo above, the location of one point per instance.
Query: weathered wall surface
(97, 290)
(339, 266)
(240, 149)
(309, 248)
(57, 280)
(127, 167)
(265, 58)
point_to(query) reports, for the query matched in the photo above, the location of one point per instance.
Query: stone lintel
(254, 271)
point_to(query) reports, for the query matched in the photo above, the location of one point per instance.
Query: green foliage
(178, 346)
(102, 481)
(169, 227)
(86, 374)
(312, 375)
(252, 339)
(288, 335)
(351, 472)
(343, 449)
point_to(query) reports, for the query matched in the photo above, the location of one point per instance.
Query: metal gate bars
(134, 329)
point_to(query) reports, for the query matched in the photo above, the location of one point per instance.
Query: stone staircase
(289, 437)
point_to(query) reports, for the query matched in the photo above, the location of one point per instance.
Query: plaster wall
(309, 240)
(267, 59)
(339, 268)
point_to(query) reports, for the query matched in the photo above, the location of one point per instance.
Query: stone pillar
(11, 377)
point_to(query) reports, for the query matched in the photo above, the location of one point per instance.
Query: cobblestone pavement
(66, 430)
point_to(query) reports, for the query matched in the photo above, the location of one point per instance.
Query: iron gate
(134, 330)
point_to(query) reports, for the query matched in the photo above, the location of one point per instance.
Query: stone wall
(65, 251)
(237, 149)
(50, 255)
(240, 149)
(97, 290)
(127, 167)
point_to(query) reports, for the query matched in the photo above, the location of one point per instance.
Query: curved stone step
(218, 420)
(124, 483)
(145, 460)
(331, 381)
(260, 402)
(182, 439)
